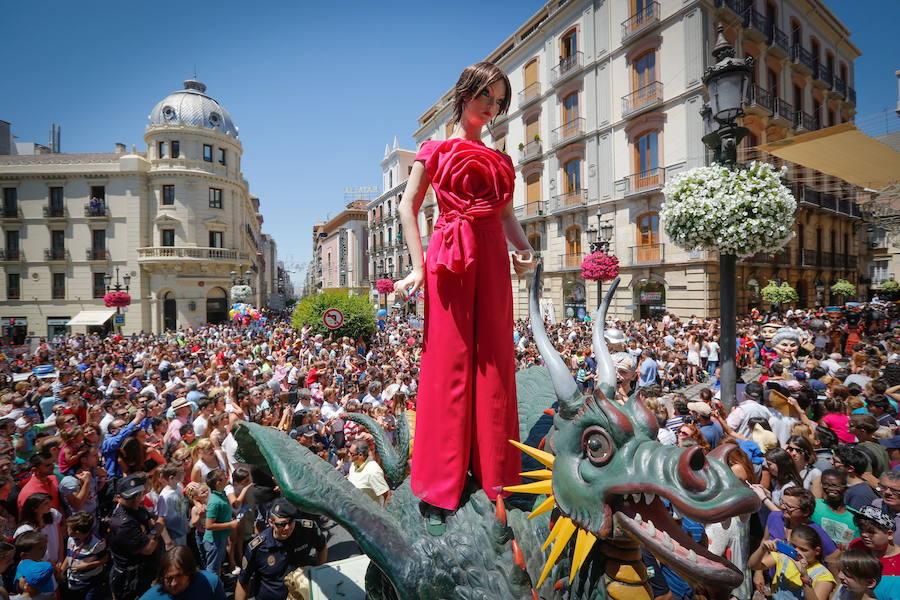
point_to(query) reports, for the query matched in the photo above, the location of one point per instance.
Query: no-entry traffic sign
(333, 318)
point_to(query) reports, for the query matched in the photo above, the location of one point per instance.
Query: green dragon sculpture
(601, 477)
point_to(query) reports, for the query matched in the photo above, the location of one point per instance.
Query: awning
(844, 152)
(94, 316)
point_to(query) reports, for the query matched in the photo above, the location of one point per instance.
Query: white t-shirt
(369, 479)
(713, 350)
(51, 531)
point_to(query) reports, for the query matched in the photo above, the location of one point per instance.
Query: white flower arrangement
(739, 212)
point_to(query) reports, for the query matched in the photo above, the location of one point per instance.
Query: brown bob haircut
(475, 79)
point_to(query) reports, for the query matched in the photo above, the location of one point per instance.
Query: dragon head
(611, 477)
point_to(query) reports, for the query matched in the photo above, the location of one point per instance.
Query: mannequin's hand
(523, 261)
(410, 284)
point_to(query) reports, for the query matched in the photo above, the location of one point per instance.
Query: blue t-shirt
(204, 586)
(775, 525)
(648, 373)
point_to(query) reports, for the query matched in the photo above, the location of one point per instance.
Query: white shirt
(369, 478)
(200, 425)
(713, 350)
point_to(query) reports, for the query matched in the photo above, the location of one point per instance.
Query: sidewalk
(693, 391)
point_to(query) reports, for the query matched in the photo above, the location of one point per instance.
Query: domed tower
(204, 225)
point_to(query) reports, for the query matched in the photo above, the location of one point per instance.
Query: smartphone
(786, 549)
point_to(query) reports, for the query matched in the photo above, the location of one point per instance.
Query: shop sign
(58, 320)
(651, 297)
(14, 322)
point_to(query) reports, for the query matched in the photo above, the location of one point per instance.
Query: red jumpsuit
(466, 411)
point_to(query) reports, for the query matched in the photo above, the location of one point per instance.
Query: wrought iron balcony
(766, 258)
(571, 262)
(828, 202)
(648, 254)
(531, 210)
(569, 201)
(11, 213)
(839, 260)
(568, 132)
(809, 258)
(804, 121)
(851, 261)
(97, 254)
(840, 86)
(530, 151)
(648, 181)
(640, 21)
(56, 254)
(567, 67)
(11, 255)
(735, 6)
(530, 94)
(777, 40)
(755, 22)
(826, 259)
(823, 75)
(759, 101)
(96, 211)
(55, 212)
(802, 57)
(784, 110)
(642, 99)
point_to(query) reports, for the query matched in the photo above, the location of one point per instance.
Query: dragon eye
(597, 445)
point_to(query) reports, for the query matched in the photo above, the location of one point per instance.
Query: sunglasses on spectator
(887, 491)
(795, 449)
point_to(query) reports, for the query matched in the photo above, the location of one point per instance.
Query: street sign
(333, 318)
(119, 320)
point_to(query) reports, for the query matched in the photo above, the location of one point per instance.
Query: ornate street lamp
(117, 287)
(726, 83)
(601, 244)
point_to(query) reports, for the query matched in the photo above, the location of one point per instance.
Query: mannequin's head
(481, 93)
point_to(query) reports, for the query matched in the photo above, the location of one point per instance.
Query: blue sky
(316, 92)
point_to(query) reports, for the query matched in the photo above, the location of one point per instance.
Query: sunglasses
(282, 524)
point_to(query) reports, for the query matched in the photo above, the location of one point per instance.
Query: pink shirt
(840, 425)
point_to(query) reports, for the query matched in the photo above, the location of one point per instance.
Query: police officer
(291, 540)
(135, 541)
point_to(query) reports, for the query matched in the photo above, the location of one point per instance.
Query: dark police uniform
(129, 532)
(268, 560)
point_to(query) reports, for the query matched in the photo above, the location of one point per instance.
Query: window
(817, 113)
(10, 202)
(216, 239)
(98, 244)
(644, 70)
(531, 89)
(798, 98)
(534, 240)
(13, 292)
(56, 201)
(390, 179)
(573, 244)
(533, 194)
(58, 286)
(648, 247)
(168, 195)
(796, 33)
(12, 244)
(772, 81)
(829, 62)
(533, 129)
(161, 150)
(207, 152)
(176, 149)
(570, 107)
(215, 198)
(99, 285)
(222, 155)
(815, 49)
(646, 149)
(167, 237)
(57, 240)
(99, 192)
(568, 45)
(572, 174)
(878, 271)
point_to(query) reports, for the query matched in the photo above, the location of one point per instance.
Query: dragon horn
(570, 399)
(606, 370)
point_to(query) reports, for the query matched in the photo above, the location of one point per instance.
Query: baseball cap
(701, 408)
(892, 443)
(131, 486)
(753, 391)
(38, 575)
(881, 519)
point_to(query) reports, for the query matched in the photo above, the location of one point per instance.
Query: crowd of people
(120, 476)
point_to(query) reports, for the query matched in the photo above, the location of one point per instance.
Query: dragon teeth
(638, 518)
(692, 556)
(636, 498)
(667, 541)
(649, 498)
(651, 529)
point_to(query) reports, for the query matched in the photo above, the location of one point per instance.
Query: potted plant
(537, 137)
(843, 289)
(521, 146)
(776, 295)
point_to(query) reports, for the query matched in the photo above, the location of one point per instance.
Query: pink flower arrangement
(117, 299)
(599, 266)
(384, 286)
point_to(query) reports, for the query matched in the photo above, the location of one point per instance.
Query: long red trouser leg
(440, 457)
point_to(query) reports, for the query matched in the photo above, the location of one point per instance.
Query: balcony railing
(753, 19)
(851, 261)
(802, 56)
(809, 258)
(840, 86)
(784, 110)
(531, 150)
(569, 200)
(839, 260)
(567, 132)
(766, 258)
(648, 254)
(56, 254)
(531, 210)
(826, 259)
(530, 93)
(639, 183)
(96, 210)
(760, 98)
(823, 73)
(97, 254)
(641, 20)
(11, 255)
(151, 253)
(777, 39)
(805, 121)
(736, 6)
(11, 212)
(645, 97)
(851, 95)
(13, 293)
(570, 262)
(566, 67)
(54, 212)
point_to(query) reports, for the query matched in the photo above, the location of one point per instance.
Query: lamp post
(117, 287)
(601, 244)
(726, 83)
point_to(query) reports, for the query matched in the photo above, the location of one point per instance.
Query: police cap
(283, 509)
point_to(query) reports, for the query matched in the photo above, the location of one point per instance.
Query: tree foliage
(890, 287)
(843, 288)
(779, 294)
(359, 315)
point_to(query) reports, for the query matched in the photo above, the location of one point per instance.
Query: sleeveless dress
(466, 411)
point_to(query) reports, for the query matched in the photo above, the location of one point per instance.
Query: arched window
(572, 176)
(533, 194)
(570, 107)
(647, 234)
(530, 76)
(796, 33)
(573, 246)
(216, 306)
(815, 49)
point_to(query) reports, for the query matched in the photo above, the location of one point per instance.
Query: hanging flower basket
(599, 266)
(117, 299)
(384, 286)
(740, 212)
